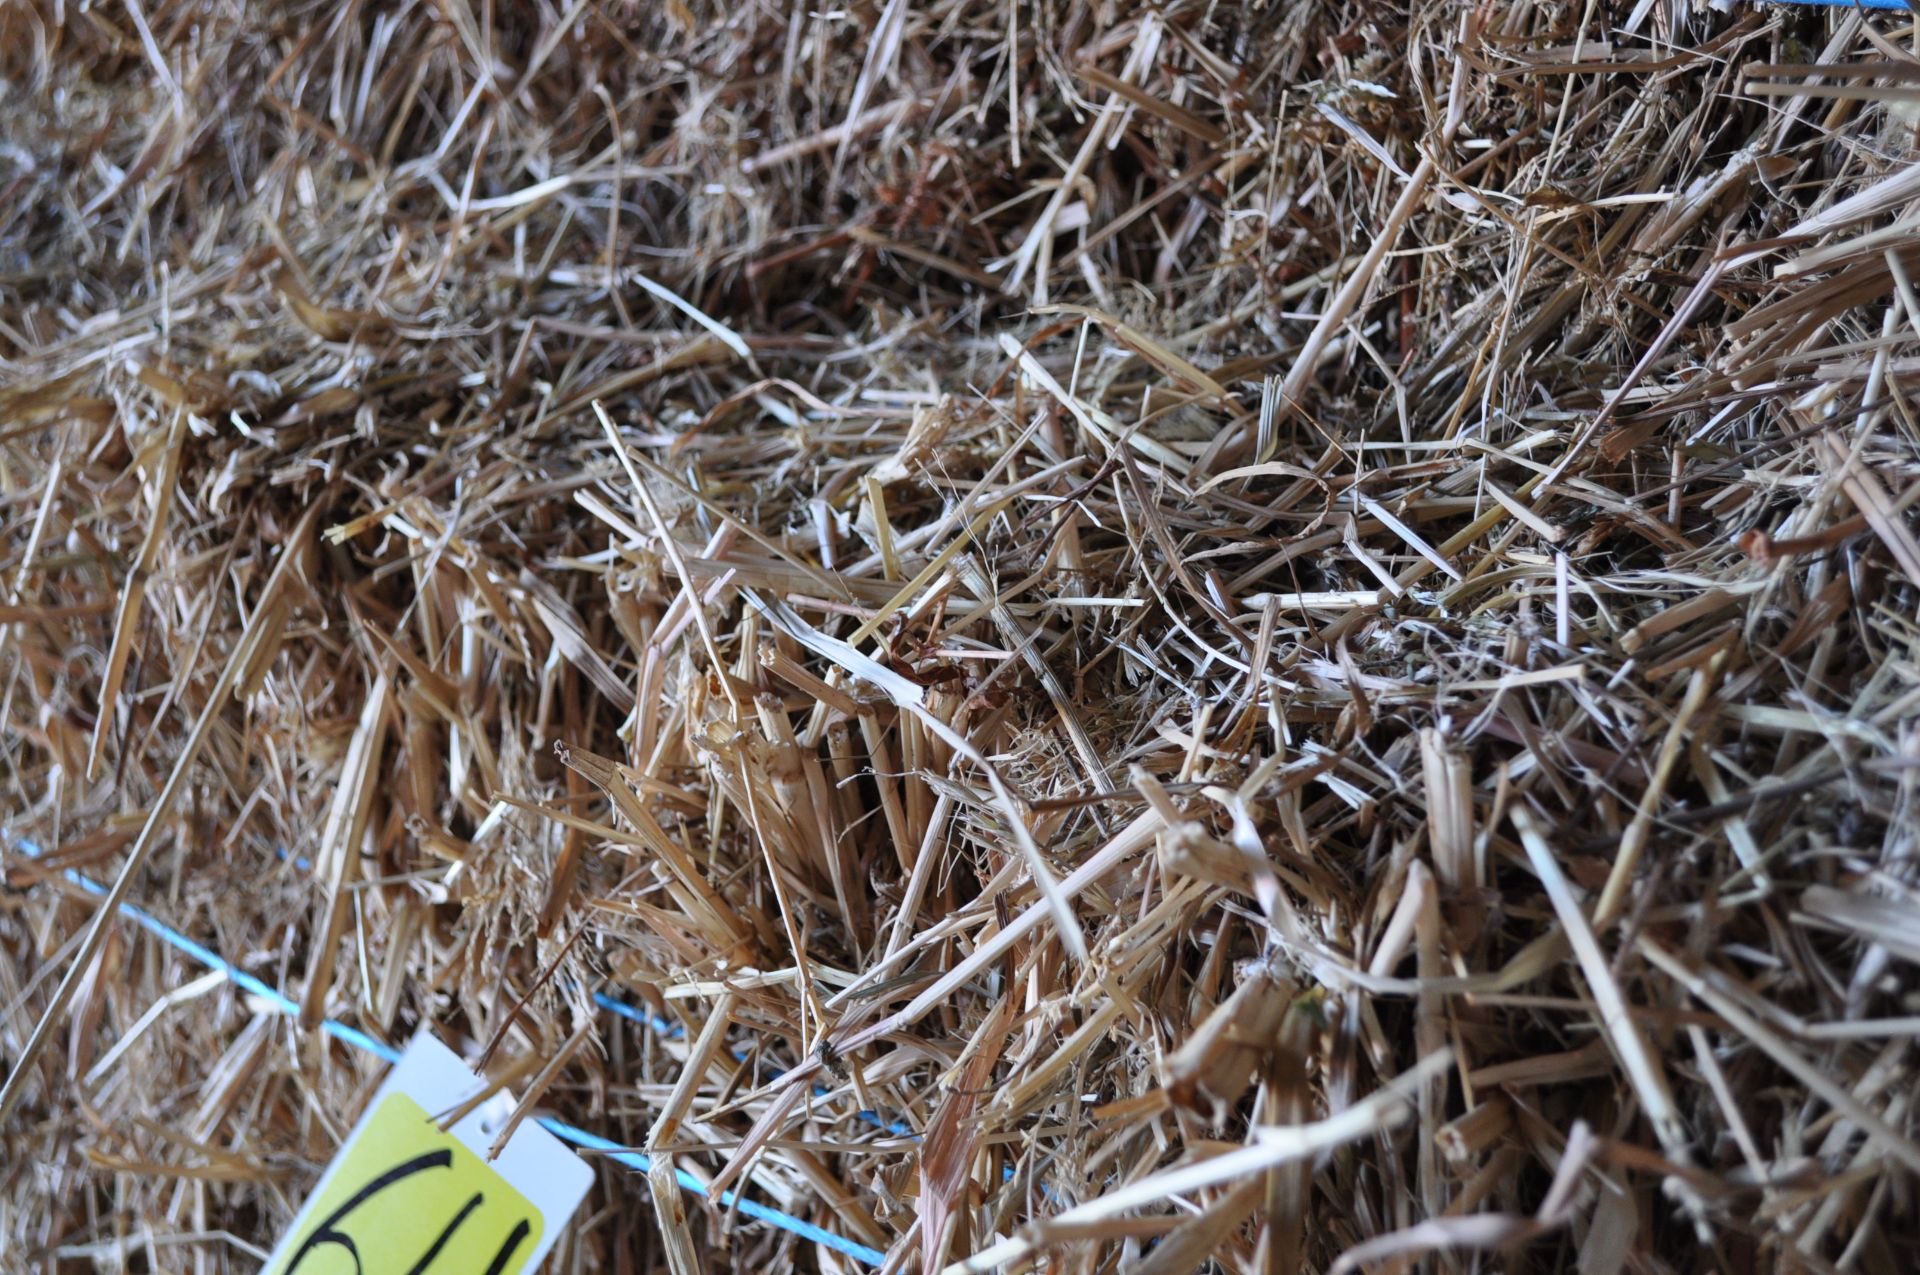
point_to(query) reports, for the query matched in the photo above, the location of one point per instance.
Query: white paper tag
(404, 1198)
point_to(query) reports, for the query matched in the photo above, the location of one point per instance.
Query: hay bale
(1051, 632)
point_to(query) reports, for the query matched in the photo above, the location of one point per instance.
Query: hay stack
(1281, 633)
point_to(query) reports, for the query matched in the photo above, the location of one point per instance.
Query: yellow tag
(409, 1198)
(404, 1197)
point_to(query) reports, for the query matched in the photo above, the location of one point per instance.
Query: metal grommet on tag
(494, 1115)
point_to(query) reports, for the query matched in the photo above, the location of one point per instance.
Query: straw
(284, 1004)
(1049, 597)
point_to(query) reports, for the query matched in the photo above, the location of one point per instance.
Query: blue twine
(633, 1159)
(239, 977)
(675, 1031)
(380, 1049)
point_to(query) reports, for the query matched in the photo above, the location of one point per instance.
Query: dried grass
(1287, 632)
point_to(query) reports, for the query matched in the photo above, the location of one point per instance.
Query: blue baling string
(675, 1031)
(669, 1029)
(786, 1222)
(239, 977)
(558, 1128)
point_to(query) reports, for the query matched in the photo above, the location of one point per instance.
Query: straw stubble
(1098, 635)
